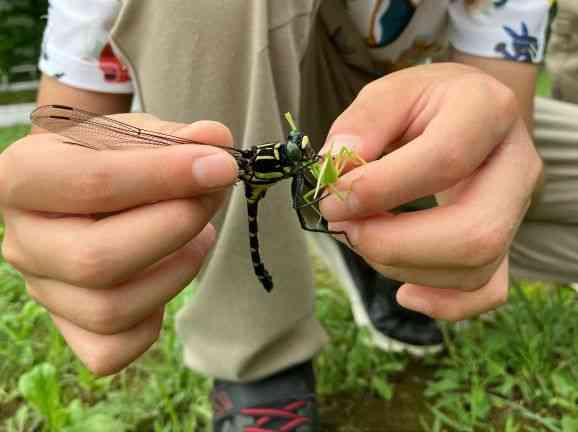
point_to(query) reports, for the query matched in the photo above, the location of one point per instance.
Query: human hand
(104, 239)
(448, 130)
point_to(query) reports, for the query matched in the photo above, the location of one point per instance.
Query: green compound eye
(294, 152)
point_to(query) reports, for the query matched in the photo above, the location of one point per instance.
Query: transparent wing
(99, 132)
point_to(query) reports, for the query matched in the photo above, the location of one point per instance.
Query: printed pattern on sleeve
(513, 30)
(76, 48)
(408, 31)
(400, 32)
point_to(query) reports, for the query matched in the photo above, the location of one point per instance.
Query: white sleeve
(75, 47)
(514, 30)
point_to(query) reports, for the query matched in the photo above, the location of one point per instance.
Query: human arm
(53, 91)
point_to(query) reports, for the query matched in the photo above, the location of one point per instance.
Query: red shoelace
(266, 415)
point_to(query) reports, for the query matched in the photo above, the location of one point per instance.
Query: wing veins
(101, 132)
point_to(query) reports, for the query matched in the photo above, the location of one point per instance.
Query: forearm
(52, 91)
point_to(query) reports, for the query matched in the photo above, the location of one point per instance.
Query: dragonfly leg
(321, 226)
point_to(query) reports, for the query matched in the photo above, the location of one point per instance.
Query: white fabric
(397, 30)
(75, 36)
(481, 32)
(474, 30)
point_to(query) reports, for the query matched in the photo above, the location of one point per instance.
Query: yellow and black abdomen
(253, 194)
(269, 166)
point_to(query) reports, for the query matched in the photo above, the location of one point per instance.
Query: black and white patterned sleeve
(76, 49)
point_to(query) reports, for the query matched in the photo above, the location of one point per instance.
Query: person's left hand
(448, 130)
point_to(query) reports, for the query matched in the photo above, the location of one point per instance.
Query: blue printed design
(391, 22)
(500, 3)
(524, 47)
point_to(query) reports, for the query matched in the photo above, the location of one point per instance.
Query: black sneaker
(393, 327)
(284, 402)
(374, 306)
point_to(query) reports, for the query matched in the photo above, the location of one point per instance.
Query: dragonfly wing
(87, 129)
(99, 132)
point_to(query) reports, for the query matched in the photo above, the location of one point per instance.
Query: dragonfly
(260, 166)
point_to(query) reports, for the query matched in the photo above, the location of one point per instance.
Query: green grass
(519, 370)
(17, 97)
(516, 373)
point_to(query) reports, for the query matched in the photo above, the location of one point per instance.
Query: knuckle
(389, 257)
(500, 96)
(473, 281)
(11, 253)
(370, 89)
(113, 356)
(185, 213)
(103, 361)
(485, 245)
(360, 111)
(500, 297)
(486, 85)
(456, 166)
(105, 316)
(187, 217)
(90, 266)
(503, 97)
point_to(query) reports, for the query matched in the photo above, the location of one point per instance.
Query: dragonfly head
(298, 147)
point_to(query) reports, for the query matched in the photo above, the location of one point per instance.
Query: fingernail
(336, 142)
(215, 170)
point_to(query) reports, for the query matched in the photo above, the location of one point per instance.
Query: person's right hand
(104, 239)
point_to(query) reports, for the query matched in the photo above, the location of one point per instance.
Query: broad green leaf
(569, 424)
(41, 388)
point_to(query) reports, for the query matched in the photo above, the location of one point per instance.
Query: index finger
(42, 173)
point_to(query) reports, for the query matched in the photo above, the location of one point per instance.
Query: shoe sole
(326, 248)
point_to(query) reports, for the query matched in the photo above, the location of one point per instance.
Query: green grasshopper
(328, 170)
